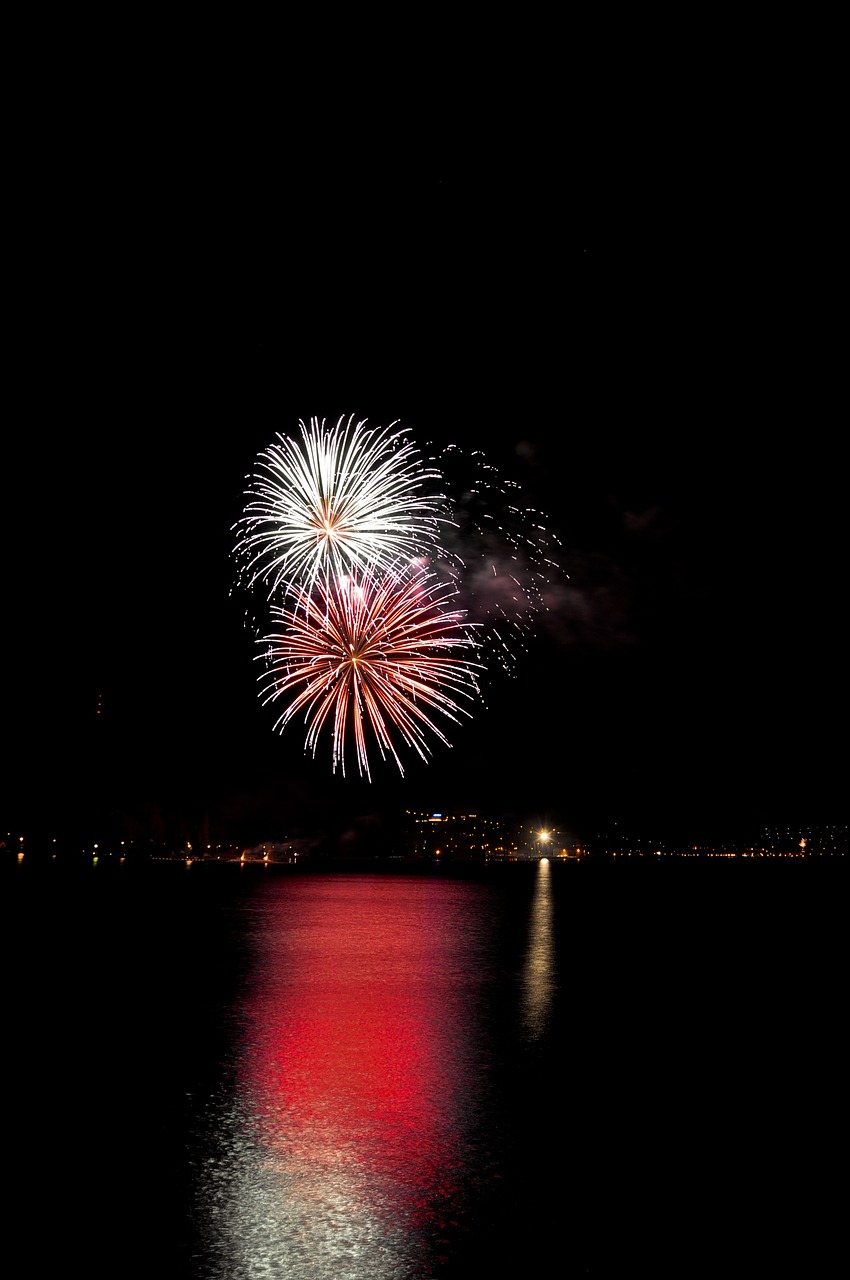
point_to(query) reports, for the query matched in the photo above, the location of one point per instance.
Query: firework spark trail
(374, 651)
(334, 501)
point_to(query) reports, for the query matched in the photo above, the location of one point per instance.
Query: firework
(335, 500)
(371, 653)
(499, 553)
(359, 545)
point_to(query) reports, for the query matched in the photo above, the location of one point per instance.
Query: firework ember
(499, 553)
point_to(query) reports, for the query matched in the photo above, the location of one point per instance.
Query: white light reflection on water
(349, 1143)
(538, 973)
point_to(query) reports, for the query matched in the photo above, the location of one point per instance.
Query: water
(225, 1073)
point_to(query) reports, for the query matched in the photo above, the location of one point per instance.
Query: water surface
(223, 1073)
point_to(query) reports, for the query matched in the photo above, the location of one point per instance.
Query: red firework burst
(376, 649)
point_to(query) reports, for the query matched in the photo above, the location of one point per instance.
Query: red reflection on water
(357, 1061)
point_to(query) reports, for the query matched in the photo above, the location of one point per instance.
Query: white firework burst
(333, 501)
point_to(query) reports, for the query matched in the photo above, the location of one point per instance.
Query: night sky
(641, 337)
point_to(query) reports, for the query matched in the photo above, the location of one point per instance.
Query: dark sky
(641, 336)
